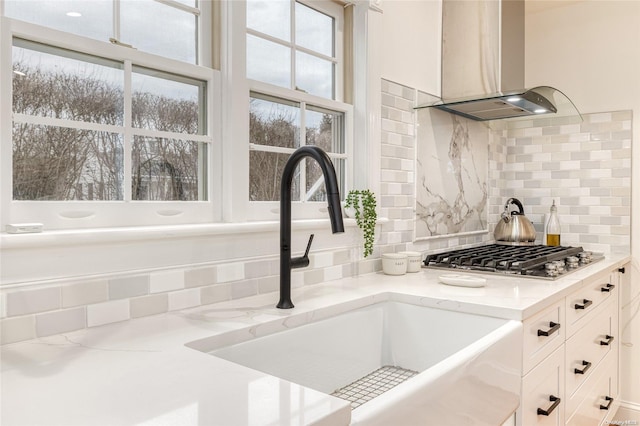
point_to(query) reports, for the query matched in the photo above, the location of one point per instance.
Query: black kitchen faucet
(335, 215)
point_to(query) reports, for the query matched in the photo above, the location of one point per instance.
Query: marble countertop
(142, 372)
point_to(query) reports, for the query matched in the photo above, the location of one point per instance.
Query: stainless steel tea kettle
(514, 227)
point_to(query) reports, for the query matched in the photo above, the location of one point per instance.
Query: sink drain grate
(373, 384)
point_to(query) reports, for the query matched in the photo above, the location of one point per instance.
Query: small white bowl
(394, 263)
(414, 260)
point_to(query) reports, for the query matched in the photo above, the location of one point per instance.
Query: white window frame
(270, 210)
(95, 214)
(264, 210)
(329, 8)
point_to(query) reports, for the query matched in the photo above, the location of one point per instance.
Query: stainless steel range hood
(483, 66)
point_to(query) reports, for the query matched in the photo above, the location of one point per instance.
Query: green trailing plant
(363, 202)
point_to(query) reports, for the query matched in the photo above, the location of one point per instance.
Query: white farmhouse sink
(468, 365)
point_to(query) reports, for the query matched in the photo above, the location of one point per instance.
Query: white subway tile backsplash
(230, 272)
(201, 276)
(585, 167)
(341, 256)
(58, 322)
(268, 284)
(244, 289)
(333, 273)
(261, 268)
(84, 293)
(127, 287)
(24, 302)
(533, 131)
(17, 329)
(3, 305)
(314, 276)
(108, 312)
(149, 305)
(184, 299)
(215, 293)
(321, 259)
(600, 118)
(163, 281)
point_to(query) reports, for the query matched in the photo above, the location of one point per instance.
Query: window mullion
(128, 129)
(311, 52)
(70, 124)
(292, 24)
(116, 19)
(303, 142)
(180, 6)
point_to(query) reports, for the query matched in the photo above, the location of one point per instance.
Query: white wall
(589, 50)
(412, 29)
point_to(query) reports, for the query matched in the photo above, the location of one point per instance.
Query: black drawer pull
(585, 303)
(607, 342)
(554, 327)
(621, 270)
(556, 402)
(587, 365)
(606, 407)
(607, 288)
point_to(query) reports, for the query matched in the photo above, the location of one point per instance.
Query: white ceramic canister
(414, 260)
(394, 263)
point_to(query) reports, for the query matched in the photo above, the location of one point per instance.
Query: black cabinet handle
(608, 338)
(587, 365)
(606, 407)
(621, 270)
(585, 303)
(556, 402)
(554, 327)
(607, 288)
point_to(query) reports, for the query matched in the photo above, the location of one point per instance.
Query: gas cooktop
(537, 261)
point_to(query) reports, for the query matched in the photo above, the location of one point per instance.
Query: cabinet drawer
(540, 389)
(589, 345)
(543, 333)
(596, 398)
(594, 292)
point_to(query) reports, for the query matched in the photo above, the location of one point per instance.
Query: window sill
(80, 237)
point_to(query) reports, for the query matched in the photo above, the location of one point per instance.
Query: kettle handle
(517, 203)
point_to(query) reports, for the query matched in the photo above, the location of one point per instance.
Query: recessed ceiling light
(20, 73)
(74, 14)
(540, 111)
(514, 99)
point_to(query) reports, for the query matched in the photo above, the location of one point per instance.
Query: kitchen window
(166, 28)
(277, 128)
(294, 68)
(103, 134)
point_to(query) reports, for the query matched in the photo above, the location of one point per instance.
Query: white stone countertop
(141, 371)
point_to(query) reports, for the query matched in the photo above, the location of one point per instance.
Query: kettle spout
(506, 217)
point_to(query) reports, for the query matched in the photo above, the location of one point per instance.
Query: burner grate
(524, 260)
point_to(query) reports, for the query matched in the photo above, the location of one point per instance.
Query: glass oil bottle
(553, 227)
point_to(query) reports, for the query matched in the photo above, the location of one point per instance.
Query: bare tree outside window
(275, 133)
(68, 161)
(165, 169)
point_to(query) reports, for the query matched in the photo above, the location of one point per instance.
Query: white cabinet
(542, 392)
(589, 345)
(595, 291)
(544, 332)
(570, 357)
(595, 400)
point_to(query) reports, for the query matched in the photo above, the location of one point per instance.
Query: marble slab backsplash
(451, 184)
